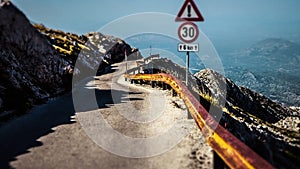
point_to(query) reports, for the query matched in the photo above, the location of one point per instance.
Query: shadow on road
(105, 97)
(21, 134)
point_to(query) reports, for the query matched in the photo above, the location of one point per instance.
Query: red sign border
(194, 6)
(197, 32)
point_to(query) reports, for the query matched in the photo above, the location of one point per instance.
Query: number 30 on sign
(188, 32)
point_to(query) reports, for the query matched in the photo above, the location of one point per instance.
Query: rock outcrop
(92, 51)
(269, 128)
(37, 63)
(30, 69)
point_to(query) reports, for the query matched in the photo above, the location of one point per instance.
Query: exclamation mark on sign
(189, 10)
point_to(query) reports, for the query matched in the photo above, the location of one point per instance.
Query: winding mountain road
(54, 136)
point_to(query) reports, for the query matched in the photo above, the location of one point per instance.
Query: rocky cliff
(30, 68)
(37, 63)
(269, 128)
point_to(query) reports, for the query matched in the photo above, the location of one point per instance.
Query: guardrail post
(173, 92)
(152, 84)
(164, 86)
(187, 68)
(189, 116)
(218, 162)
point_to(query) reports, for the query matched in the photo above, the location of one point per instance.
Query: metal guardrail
(135, 70)
(231, 150)
(148, 59)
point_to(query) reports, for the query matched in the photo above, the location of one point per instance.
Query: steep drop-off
(269, 128)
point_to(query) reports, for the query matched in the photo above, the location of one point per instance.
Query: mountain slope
(37, 63)
(267, 127)
(94, 50)
(30, 68)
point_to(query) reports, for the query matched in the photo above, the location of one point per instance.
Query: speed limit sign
(188, 32)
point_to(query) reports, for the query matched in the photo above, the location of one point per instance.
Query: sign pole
(187, 68)
(188, 32)
(125, 53)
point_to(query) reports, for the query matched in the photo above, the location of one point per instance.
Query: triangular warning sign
(189, 5)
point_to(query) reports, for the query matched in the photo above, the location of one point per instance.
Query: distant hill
(274, 53)
(275, 49)
(271, 67)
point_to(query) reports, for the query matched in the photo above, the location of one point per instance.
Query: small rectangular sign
(182, 47)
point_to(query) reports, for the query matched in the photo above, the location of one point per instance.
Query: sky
(228, 23)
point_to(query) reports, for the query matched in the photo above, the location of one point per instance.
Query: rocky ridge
(94, 50)
(37, 63)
